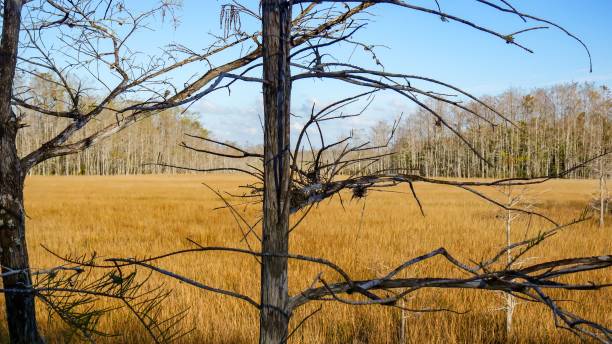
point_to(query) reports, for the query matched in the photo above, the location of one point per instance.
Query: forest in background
(549, 130)
(139, 150)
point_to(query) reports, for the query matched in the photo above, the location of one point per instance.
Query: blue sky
(422, 44)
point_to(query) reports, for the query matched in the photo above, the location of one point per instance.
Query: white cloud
(238, 120)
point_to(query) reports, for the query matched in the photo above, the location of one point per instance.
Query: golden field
(149, 215)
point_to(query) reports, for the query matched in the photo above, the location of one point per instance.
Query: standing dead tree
(288, 183)
(514, 198)
(83, 49)
(601, 201)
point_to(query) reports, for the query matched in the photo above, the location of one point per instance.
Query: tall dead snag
(276, 28)
(91, 41)
(603, 194)
(20, 307)
(604, 164)
(513, 198)
(600, 203)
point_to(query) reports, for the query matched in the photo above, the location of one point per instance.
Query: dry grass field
(149, 215)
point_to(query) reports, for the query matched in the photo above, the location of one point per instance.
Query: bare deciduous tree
(601, 201)
(21, 315)
(514, 198)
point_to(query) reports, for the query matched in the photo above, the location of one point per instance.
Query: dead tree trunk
(274, 318)
(20, 306)
(602, 192)
(510, 301)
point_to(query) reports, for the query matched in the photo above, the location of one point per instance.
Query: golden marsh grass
(149, 215)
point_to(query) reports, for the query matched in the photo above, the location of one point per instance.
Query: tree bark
(274, 315)
(20, 306)
(602, 192)
(510, 301)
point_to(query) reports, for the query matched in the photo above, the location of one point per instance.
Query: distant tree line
(134, 151)
(549, 130)
(152, 145)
